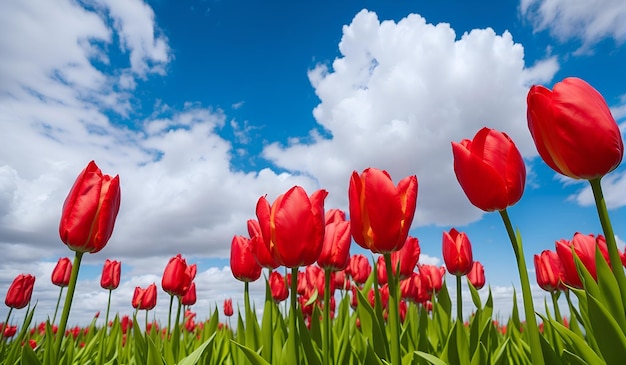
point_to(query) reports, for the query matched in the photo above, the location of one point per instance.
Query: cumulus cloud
(587, 21)
(399, 94)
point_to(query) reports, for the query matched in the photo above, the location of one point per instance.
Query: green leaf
(613, 342)
(28, 355)
(371, 327)
(480, 356)
(430, 358)
(609, 288)
(310, 350)
(253, 356)
(574, 343)
(153, 355)
(192, 358)
(475, 296)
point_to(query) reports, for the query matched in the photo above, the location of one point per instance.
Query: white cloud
(588, 21)
(400, 93)
(613, 187)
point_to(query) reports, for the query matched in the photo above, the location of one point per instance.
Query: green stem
(529, 309)
(105, 329)
(394, 319)
(57, 307)
(293, 334)
(250, 338)
(106, 318)
(459, 300)
(326, 339)
(270, 300)
(169, 317)
(68, 301)
(176, 333)
(146, 325)
(2, 328)
(555, 302)
(616, 262)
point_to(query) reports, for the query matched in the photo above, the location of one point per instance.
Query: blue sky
(202, 107)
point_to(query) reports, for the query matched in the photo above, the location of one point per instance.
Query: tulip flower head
(336, 248)
(90, 210)
(261, 253)
(573, 129)
(19, 293)
(549, 271)
(476, 276)
(359, 268)
(380, 212)
(406, 257)
(190, 296)
(243, 264)
(490, 170)
(293, 226)
(61, 273)
(228, 307)
(585, 248)
(278, 287)
(111, 273)
(145, 299)
(177, 276)
(457, 252)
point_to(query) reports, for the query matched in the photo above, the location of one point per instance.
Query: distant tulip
(61, 273)
(336, 248)
(585, 248)
(176, 277)
(228, 307)
(145, 299)
(359, 268)
(476, 276)
(334, 215)
(490, 170)
(90, 210)
(278, 287)
(381, 270)
(573, 129)
(293, 226)
(549, 271)
(261, 253)
(622, 256)
(9, 331)
(190, 296)
(340, 279)
(19, 293)
(381, 213)
(457, 252)
(407, 257)
(432, 277)
(111, 273)
(243, 264)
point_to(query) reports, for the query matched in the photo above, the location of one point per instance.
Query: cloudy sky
(203, 106)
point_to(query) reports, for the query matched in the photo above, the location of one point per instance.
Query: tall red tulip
(457, 252)
(261, 253)
(111, 273)
(549, 271)
(293, 226)
(61, 273)
(243, 264)
(359, 268)
(407, 257)
(336, 247)
(573, 129)
(490, 170)
(278, 287)
(145, 299)
(176, 277)
(20, 291)
(90, 210)
(228, 307)
(381, 213)
(585, 248)
(190, 296)
(476, 276)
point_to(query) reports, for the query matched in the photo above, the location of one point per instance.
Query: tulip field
(325, 306)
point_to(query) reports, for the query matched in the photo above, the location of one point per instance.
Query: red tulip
(20, 291)
(432, 277)
(9, 331)
(585, 248)
(407, 257)
(573, 129)
(293, 227)
(381, 270)
(381, 213)
(490, 169)
(90, 210)
(315, 280)
(549, 271)
(359, 268)
(145, 298)
(176, 277)
(261, 253)
(111, 273)
(61, 273)
(476, 276)
(334, 215)
(243, 265)
(622, 256)
(228, 307)
(336, 247)
(278, 287)
(190, 296)
(457, 252)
